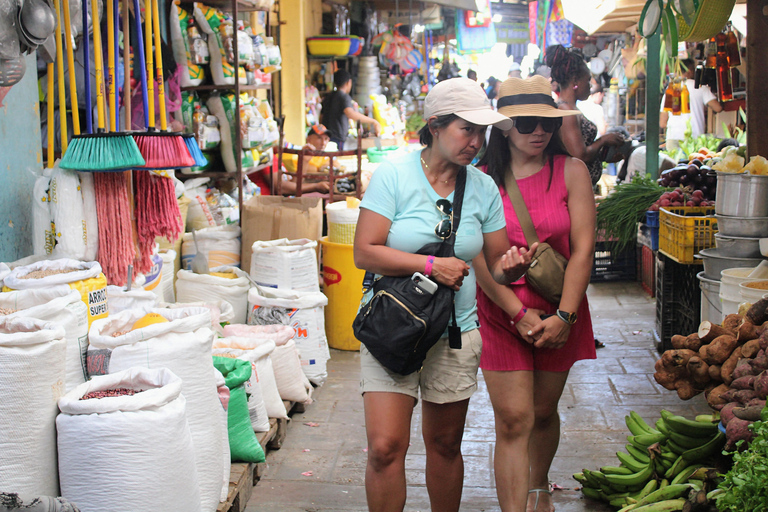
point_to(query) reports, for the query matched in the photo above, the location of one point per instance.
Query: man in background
(472, 75)
(338, 109)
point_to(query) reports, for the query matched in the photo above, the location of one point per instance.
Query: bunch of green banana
(661, 466)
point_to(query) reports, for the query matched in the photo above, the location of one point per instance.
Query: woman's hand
(612, 139)
(515, 262)
(450, 271)
(550, 333)
(531, 319)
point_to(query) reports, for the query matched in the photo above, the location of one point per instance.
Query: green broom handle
(159, 65)
(98, 61)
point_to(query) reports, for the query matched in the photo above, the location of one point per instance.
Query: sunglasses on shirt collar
(527, 124)
(444, 228)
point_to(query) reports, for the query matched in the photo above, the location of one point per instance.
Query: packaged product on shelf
(218, 27)
(199, 214)
(223, 107)
(244, 43)
(260, 56)
(32, 356)
(190, 50)
(181, 341)
(114, 453)
(229, 284)
(274, 58)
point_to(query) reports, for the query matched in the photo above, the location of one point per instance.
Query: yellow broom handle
(111, 63)
(159, 64)
(126, 65)
(50, 115)
(71, 65)
(98, 63)
(60, 70)
(148, 51)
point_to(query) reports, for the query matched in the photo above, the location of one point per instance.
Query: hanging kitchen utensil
(12, 70)
(9, 40)
(650, 18)
(37, 19)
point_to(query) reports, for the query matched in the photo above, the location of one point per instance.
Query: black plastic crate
(678, 300)
(612, 265)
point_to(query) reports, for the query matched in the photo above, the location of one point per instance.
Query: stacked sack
(288, 293)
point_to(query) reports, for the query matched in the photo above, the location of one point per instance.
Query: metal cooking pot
(715, 262)
(736, 246)
(741, 195)
(753, 227)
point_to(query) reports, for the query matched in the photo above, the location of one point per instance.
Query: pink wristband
(428, 266)
(519, 316)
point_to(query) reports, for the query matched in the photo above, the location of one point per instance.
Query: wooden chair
(332, 176)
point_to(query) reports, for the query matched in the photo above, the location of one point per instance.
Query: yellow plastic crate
(685, 230)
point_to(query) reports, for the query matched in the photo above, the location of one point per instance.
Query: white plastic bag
(199, 214)
(183, 345)
(136, 298)
(67, 214)
(32, 354)
(220, 244)
(131, 452)
(191, 287)
(302, 311)
(286, 264)
(61, 307)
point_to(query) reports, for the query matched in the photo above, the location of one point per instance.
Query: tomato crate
(678, 300)
(685, 230)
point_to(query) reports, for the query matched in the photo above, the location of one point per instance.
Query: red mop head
(116, 250)
(157, 214)
(163, 150)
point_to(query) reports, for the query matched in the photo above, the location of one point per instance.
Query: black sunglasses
(527, 124)
(444, 228)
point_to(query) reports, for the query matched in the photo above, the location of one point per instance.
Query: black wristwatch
(569, 318)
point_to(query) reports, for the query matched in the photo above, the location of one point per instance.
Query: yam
(678, 341)
(729, 366)
(743, 368)
(720, 349)
(732, 322)
(676, 358)
(715, 371)
(751, 413)
(692, 342)
(737, 430)
(763, 339)
(666, 379)
(747, 331)
(757, 313)
(750, 348)
(715, 396)
(761, 385)
(698, 371)
(726, 413)
(686, 390)
(708, 331)
(746, 382)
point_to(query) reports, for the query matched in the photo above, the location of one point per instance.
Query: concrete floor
(598, 395)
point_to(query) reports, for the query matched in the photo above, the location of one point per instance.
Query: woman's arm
(371, 253)
(581, 209)
(505, 298)
(506, 264)
(570, 133)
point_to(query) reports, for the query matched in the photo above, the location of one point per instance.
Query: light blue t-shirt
(399, 191)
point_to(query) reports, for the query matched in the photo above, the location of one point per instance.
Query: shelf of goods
(190, 19)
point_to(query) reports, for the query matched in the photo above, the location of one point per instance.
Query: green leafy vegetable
(745, 485)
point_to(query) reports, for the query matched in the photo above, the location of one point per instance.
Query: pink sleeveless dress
(503, 348)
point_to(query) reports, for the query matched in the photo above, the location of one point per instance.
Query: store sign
(479, 18)
(512, 33)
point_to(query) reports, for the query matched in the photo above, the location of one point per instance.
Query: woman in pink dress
(526, 358)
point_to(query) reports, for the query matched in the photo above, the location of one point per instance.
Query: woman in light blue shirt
(406, 206)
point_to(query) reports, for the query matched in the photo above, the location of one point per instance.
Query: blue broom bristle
(102, 152)
(194, 150)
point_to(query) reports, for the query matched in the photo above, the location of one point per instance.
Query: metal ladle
(38, 19)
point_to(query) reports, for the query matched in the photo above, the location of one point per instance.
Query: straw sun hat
(529, 97)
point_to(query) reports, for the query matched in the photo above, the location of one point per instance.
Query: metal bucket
(741, 195)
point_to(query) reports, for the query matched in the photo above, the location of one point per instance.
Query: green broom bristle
(102, 152)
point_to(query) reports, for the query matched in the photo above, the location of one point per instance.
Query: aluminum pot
(741, 195)
(736, 246)
(715, 262)
(753, 227)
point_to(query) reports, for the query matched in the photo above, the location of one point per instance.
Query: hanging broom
(194, 149)
(101, 151)
(161, 149)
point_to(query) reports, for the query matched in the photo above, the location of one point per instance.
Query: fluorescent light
(496, 18)
(418, 28)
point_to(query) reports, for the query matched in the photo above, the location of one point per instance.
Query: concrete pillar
(294, 53)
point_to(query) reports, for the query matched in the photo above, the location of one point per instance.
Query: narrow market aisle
(321, 466)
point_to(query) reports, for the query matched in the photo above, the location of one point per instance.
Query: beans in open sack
(108, 393)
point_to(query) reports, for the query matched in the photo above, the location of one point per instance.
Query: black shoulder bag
(402, 322)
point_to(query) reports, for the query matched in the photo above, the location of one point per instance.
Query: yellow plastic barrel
(344, 289)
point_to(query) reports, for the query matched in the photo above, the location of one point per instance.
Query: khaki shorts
(448, 375)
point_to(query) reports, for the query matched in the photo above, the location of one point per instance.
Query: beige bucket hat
(466, 99)
(529, 97)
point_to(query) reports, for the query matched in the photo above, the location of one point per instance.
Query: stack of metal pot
(368, 80)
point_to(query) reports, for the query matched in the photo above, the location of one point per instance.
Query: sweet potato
(737, 430)
(698, 371)
(726, 413)
(715, 396)
(763, 339)
(760, 362)
(743, 368)
(746, 382)
(732, 322)
(715, 371)
(719, 350)
(747, 331)
(751, 413)
(757, 312)
(750, 348)
(756, 401)
(729, 365)
(686, 390)
(761, 385)
(743, 395)
(709, 331)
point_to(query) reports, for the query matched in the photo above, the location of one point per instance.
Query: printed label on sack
(98, 361)
(331, 276)
(153, 277)
(93, 292)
